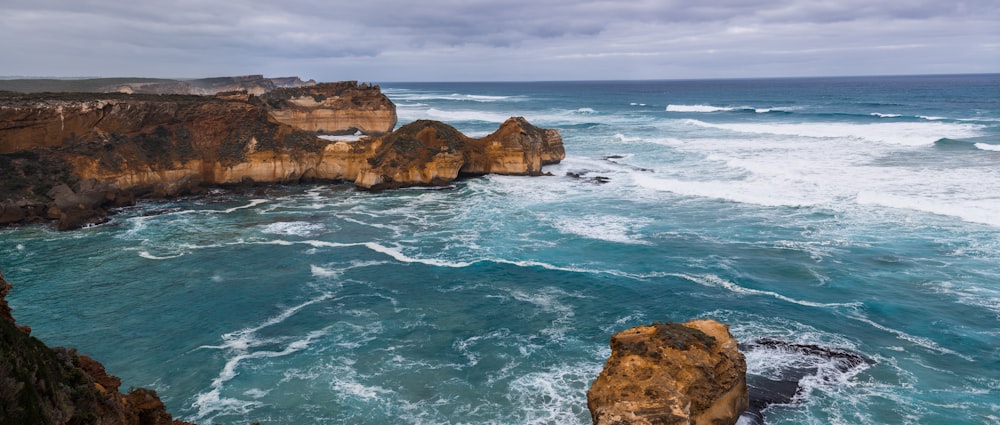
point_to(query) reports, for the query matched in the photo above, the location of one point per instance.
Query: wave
(147, 255)
(711, 108)
(897, 133)
(553, 396)
(983, 211)
(987, 147)
(919, 341)
(397, 95)
(239, 346)
(698, 108)
(293, 228)
(728, 190)
(604, 227)
(881, 115)
(712, 280)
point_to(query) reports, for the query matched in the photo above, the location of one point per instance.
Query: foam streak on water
(858, 216)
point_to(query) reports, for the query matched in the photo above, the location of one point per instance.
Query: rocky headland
(41, 385)
(671, 373)
(71, 157)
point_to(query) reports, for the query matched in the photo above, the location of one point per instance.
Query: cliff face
(42, 385)
(670, 373)
(72, 157)
(334, 108)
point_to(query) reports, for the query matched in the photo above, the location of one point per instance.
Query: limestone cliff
(670, 373)
(72, 157)
(42, 385)
(334, 108)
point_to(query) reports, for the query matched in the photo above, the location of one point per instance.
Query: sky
(512, 40)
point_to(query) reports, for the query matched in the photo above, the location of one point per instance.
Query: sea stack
(671, 373)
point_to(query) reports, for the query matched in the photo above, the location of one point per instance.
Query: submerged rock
(819, 364)
(671, 373)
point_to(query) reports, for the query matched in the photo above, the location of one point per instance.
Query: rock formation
(72, 157)
(670, 373)
(41, 385)
(433, 153)
(334, 108)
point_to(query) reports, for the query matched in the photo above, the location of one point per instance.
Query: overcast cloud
(451, 40)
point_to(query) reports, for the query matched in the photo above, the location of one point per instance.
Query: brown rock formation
(334, 108)
(671, 373)
(42, 385)
(72, 157)
(432, 153)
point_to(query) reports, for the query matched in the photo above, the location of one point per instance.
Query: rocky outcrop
(433, 153)
(72, 157)
(334, 108)
(671, 373)
(42, 385)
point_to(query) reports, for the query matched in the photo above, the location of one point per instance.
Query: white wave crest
(920, 341)
(604, 227)
(881, 115)
(898, 133)
(988, 147)
(983, 211)
(715, 281)
(146, 254)
(239, 347)
(554, 396)
(292, 228)
(253, 203)
(698, 108)
(747, 192)
(399, 95)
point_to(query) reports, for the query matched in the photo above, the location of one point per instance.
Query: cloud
(516, 39)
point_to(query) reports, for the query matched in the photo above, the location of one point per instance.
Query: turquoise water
(859, 214)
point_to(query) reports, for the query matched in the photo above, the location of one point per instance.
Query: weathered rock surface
(428, 152)
(334, 108)
(73, 157)
(41, 385)
(670, 373)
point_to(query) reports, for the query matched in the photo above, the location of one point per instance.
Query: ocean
(857, 215)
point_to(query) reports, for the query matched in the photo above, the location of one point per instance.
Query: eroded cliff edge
(42, 385)
(72, 157)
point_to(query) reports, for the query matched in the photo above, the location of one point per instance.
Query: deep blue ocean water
(859, 214)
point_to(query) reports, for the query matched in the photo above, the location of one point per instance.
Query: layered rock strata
(671, 373)
(334, 108)
(42, 385)
(72, 157)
